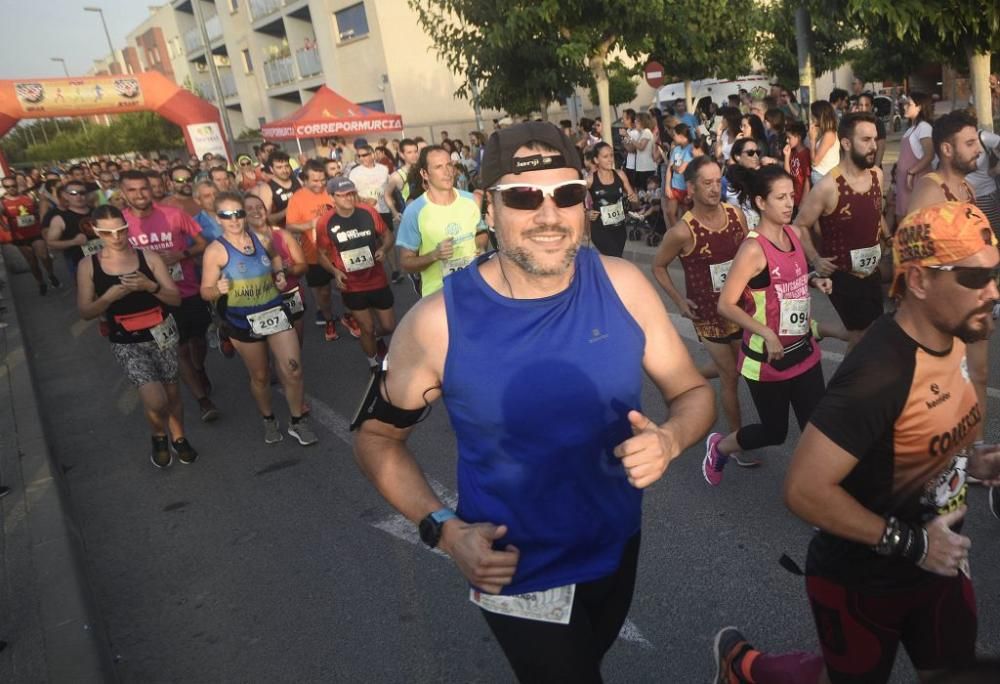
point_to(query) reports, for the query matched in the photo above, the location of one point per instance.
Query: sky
(34, 31)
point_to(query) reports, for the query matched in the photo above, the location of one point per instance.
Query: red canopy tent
(328, 114)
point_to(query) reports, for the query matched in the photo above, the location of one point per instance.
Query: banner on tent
(206, 137)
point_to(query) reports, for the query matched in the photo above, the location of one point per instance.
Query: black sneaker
(161, 456)
(185, 452)
(995, 502)
(397, 277)
(208, 410)
(4, 491)
(54, 282)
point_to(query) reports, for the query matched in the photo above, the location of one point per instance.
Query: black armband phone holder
(374, 405)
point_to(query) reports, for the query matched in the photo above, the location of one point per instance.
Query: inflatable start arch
(150, 91)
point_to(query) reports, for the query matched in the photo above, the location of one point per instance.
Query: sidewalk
(48, 614)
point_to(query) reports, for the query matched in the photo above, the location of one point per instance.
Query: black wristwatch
(430, 527)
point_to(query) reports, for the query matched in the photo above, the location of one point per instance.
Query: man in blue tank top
(538, 353)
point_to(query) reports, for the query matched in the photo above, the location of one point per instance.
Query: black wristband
(902, 540)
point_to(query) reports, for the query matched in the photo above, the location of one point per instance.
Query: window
(234, 5)
(352, 22)
(247, 61)
(376, 105)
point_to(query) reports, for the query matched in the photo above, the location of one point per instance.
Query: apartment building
(272, 55)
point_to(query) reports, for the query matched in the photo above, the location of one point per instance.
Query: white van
(719, 90)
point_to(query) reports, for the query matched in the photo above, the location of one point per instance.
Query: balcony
(214, 28)
(279, 70)
(228, 82)
(262, 8)
(309, 62)
(192, 41)
(204, 91)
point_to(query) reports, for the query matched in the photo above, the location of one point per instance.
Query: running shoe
(185, 452)
(301, 431)
(272, 431)
(714, 461)
(208, 411)
(415, 282)
(347, 320)
(330, 334)
(397, 277)
(212, 336)
(320, 320)
(729, 647)
(161, 456)
(995, 502)
(54, 282)
(4, 491)
(42, 289)
(744, 461)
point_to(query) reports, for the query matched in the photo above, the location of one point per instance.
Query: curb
(75, 644)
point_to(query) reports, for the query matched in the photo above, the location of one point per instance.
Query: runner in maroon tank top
(706, 240)
(847, 205)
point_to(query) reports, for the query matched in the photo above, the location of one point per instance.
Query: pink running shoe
(714, 461)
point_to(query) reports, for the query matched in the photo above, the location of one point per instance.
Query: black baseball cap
(498, 158)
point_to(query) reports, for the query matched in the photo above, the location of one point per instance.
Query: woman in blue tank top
(244, 282)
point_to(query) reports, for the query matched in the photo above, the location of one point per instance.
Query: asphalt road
(281, 563)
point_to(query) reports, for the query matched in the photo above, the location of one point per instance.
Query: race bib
(865, 260)
(165, 334)
(358, 259)
(268, 322)
(452, 265)
(794, 320)
(25, 220)
(612, 214)
(552, 605)
(295, 303)
(176, 272)
(91, 247)
(719, 274)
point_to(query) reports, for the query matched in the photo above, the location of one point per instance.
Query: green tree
(831, 32)
(622, 84)
(967, 31)
(884, 57)
(534, 45)
(707, 40)
(512, 66)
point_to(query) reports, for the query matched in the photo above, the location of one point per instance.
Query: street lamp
(114, 59)
(63, 62)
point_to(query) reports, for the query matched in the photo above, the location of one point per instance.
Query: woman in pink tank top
(767, 294)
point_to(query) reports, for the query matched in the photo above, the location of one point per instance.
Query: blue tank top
(538, 392)
(251, 283)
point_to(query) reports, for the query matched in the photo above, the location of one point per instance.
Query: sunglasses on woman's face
(230, 214)
(110, 232)
(751, 153)
(972, 277)
(528, 196)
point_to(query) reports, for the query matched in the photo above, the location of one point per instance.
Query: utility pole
(803, 44)
(220, 102)
(111, 47)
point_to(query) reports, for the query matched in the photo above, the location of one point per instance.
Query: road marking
(401, 528)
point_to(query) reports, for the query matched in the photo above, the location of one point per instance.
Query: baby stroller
(884, 108)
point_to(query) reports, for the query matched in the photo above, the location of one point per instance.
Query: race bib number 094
(794, 320)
